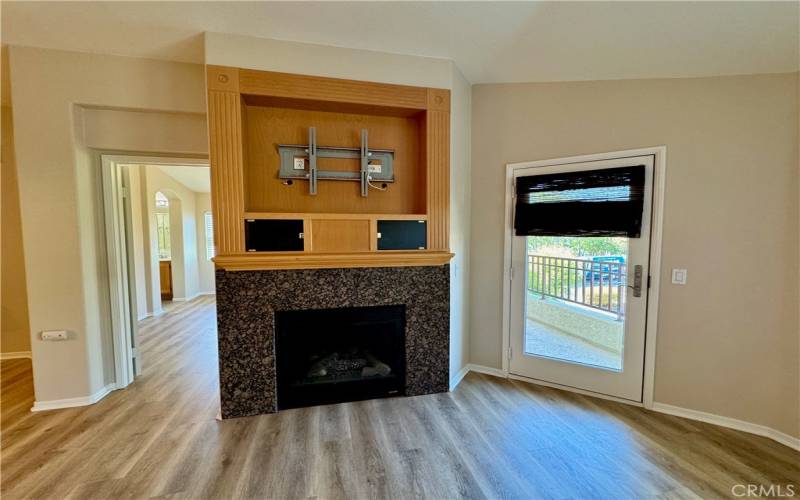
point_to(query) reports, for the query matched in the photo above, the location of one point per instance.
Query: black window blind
(607, 202)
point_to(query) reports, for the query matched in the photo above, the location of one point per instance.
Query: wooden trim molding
(303, 260)
(222, 78)
(437, 130)
(311, 215)
(438, 100)
(287, 85)
(227, 170)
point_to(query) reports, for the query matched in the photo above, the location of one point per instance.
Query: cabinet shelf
(348, 216)
(336, 233)
(306, 260)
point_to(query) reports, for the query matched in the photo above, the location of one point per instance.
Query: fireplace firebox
(335, 355)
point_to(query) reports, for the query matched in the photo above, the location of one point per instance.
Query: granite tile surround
(246, 305)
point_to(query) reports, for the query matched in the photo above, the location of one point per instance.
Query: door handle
(637, 281)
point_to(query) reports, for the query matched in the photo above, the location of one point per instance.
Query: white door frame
(121, 279)
(651, 329)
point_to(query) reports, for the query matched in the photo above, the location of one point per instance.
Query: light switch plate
(679, 276)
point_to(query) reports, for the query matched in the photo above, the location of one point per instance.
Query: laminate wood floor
(491, 438)
(16, 390)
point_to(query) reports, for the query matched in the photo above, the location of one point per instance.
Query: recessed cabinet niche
(267, 127)
(305, 170)
(274, 235)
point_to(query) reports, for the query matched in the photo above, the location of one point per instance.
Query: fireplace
(336, 355)
(261, 313)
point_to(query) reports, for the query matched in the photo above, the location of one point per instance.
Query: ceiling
(195, 178)
(489, 41)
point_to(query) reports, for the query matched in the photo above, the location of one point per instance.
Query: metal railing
(596, 284)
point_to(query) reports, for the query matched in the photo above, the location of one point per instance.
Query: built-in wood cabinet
(254, 115)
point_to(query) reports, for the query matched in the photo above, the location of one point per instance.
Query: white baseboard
(487, 370)
(57, 404)
(152, 314)
(15, 355)
(731, 423)
(192, 297)
(458, 377)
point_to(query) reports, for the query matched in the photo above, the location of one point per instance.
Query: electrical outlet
(55, 335)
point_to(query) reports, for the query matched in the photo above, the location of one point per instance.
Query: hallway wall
(205, 266)
(188, 251)
(68, 289)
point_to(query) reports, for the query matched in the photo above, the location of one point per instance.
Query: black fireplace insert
(329, 356)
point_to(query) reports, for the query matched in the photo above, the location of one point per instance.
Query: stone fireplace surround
(246, 305)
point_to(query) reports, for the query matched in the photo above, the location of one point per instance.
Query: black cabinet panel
(273, 235)
(402, 235)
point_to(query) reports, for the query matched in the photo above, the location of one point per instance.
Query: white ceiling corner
(194, 178)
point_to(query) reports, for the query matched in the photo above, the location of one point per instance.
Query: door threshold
(583, 392)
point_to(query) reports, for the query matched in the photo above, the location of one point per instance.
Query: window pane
(209, 225)
(162, 228)
(575, 299)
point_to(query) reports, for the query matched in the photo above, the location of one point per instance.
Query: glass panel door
(579, 303)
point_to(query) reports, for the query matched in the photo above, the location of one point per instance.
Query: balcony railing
(596, 284)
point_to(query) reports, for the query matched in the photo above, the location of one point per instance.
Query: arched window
(161, 200)
(162, 227)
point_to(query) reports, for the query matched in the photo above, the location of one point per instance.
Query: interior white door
(130, 273)
(576, 321)
(123, 324)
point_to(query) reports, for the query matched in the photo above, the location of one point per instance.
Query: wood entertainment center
(256, 116)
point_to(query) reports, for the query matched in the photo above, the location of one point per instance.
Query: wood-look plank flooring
(16, 390)
(490, 438)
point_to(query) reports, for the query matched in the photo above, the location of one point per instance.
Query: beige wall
(459, 222)
(728, 340)
(205, 266)
(114, 129)
(183, 232)
(13, 295)
(67, 289)
(140, 241)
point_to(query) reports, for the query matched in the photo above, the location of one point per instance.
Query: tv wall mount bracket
(300, 162)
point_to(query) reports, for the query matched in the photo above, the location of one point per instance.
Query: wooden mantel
(250, 112)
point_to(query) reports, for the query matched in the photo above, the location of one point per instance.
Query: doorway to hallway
(159, 233)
